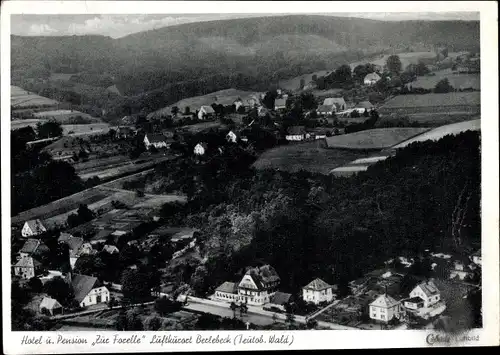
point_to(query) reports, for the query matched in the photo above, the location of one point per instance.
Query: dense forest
(307, 226)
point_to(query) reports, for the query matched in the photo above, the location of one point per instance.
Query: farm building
(206, 112)
(232, 137)
(338, 103)
(125, 132)
(428, 292)
(110, 249)
(27, 268)
(156, 140)
(296, 133)
(33, 247)
(51, 305)
(371, 79)
(279, 300)
(32, 228)
(88, 290)
(365, 105)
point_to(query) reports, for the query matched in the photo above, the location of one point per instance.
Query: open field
(450, 100)
(20, 98)
(313, 157)
(61, 76)
(120, 169)
(16, 124)
(67, 116)
(198, 127)
(81, 129)
(458, 81)
(224, 97)
(378, 138)
(440, 132)
(362, 164)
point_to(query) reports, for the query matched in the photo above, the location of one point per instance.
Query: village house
(385, 308)
(428, 292)
(364, 105)
(280, 104)
(317, 291)
(232, 137)
(200, 148)
(156, 140)
(258, 285)
(326, 110)
(296, 133)
(33, 247)
(338, 103)
(27, 268)
(371, 79)
(206, 112)
(228, 291)
(125, 132)
(50, 305)
(88, 290)
(413, 304)
(77, 247)
(238, 103)
(32, 228)
(110, 249)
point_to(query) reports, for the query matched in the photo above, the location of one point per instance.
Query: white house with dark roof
(206, 112)
(280, 104)
(296, 133)
(337, 103)
(258, 285)
(317, 291)
(51, 305)
(88, 290)
(32, 228)
(385, 308)
(27, 267)
(200, 148)
(77, 247)
(157, 140)
(371, 79)
(232, 137)
(428, 292)
(227, 292)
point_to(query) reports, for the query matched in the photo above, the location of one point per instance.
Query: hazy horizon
(117, 26)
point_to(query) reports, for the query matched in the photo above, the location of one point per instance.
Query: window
(382, 317)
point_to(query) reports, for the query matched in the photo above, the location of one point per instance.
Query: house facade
(232, 137)
(32, 228)
(385, 308)
(326, 110)
(371, 79)
(228, 291)
(206, 112)
(280, 104)
(52, 306)
(155, 140)
(428, 292)
(27, 267)
(200, 148)
(88, 290)
(296, 133)
(317, 291)
(338, 103)
(32, 247)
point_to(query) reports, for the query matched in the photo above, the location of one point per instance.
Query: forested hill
(261, 50)
(307, 226)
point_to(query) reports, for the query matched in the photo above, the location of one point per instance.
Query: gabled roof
(384, 301)
(28, 262)
(207, 109)
(337, 101)
(280, 298)
(50, 303)
(317, 285)
(428, 288)
(414, 300)
(295, 130)
(228, 287)
(82, 285)
(74, 244)
(364, 104)
(156, 137)
(110, 249)
(30, 246)
(280, 103)
(263, 275)
(372, 76)
(203, 144)
(36, 225)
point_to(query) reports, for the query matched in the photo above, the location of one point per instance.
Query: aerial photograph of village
(245, 172)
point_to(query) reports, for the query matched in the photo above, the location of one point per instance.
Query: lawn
(458, 81)
(378, 138)
(406, 59)
(67, 116)
(440, 132)
(20, 98)
(313, 157)
(82, 129)
(61, 206)
(451, 99)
